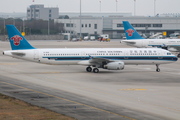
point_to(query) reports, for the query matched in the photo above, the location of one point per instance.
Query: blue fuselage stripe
(164, 58)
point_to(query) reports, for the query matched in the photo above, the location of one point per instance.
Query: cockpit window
(168, 53)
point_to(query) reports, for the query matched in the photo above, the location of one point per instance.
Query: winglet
(130, 32)
(17, 41)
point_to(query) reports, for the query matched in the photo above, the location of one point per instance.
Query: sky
(143, 7)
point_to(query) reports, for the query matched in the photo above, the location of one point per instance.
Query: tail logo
(16, 39)
(130, 32)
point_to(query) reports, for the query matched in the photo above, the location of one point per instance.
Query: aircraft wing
(100, 60)
(96, 61)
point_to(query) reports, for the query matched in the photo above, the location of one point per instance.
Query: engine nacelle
(114, 66)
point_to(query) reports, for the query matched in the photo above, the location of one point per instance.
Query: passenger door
(143, 43)
(83, 55)
(126, 54)
(160, 56)
(36, 55)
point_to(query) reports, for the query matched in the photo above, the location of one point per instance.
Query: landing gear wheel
(178, 55)
(157, 68)
(88, 69)
(95, 70)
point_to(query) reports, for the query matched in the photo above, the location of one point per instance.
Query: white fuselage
(81, 56)
(144, 43)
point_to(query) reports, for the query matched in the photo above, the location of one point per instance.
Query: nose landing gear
(178, 55)
(157, 68)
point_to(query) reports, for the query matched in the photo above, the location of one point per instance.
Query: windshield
(168, 53)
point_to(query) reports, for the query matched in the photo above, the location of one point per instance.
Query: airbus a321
(106, 58)
(134, 39)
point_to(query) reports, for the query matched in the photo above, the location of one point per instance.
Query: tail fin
(130, 32)
(17, 41)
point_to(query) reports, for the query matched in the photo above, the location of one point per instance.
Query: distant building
(97, 14)
(89, 25)
(113, 26)
(92, 22)
(40, 12)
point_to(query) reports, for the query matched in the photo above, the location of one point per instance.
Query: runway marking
(8, 63)
(70, 101)
(133, 89)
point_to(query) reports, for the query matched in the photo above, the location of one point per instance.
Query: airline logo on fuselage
(16, 39)
(130, 32)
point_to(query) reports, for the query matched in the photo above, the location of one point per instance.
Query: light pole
(100, 5)
(116, 5)
(154, 7)
(80, 20)
(48, 26)
(4, 30)
(23, 25)
(134, 7)
(70, 29)
(14, 21)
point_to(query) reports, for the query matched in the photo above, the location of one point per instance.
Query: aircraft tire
(95, 70)
(157, 70)
(88, 69)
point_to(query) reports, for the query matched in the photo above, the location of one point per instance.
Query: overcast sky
(143, 7)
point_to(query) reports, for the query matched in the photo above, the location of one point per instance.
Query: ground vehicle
(175, 36)
(92, 38)
(86, 38)
(104, 39)
(75, 39)
(106, 36)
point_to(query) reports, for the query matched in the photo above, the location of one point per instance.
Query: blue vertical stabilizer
(130, 32)
(17, 41)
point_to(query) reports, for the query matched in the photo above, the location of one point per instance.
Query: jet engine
(114, 66)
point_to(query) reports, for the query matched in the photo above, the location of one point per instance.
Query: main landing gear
(157, 68)
(95, 70)
(89, 69)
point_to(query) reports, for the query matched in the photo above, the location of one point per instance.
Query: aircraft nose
(175, 58)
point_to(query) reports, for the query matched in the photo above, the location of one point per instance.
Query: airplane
(134, 39)
(106, 58)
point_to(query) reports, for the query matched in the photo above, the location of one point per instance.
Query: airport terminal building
(112, 24)
(40, 12)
